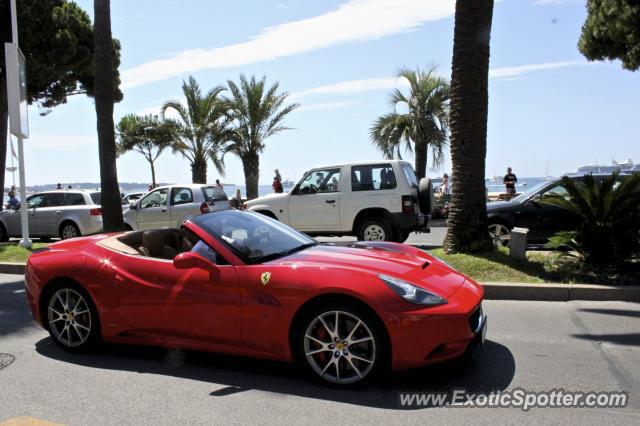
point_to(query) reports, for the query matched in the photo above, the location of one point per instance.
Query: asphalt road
(426, 241)
(582, 346)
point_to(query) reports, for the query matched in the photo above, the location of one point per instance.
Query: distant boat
(287, 183)
(627, 166)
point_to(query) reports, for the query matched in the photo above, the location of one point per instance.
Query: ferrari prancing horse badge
(266, 276)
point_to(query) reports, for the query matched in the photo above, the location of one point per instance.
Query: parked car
(244, 284)
(376, 201)
(131, 198)
(171, 205)
(56, 214)
(528, 210)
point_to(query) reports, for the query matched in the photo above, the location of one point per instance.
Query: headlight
(411, 293)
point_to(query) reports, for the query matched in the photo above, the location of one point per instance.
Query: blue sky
(339, 59)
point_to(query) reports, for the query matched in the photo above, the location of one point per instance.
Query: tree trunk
(467, 223)
(4, 135)
(104, 86)
(251, 166)
(420, 150)
(199, 170)
(153, 174)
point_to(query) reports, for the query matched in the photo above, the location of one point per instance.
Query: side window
(72, 199)
(55, 199)
(320, 181)
(181, 196)
(191, 242)
(373, 177)
(556, 190)
(35, 201)
(156, 198)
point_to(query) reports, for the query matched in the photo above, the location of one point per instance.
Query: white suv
(170, 206)
(378, 200)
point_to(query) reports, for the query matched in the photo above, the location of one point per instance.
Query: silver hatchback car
(56, 214)
(169, 206)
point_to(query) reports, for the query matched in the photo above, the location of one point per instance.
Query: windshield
(529, 192)
(253, 237)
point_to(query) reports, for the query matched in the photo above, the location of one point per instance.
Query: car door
(48, 215)
(182, 206)
(152, 210)
(34, 203)
(196, 307)
(314, 204)
(543, 220)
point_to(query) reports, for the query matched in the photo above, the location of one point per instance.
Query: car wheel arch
(370, 213)
(68, 221)
(328, 298)
(51, 286)
(267, 213)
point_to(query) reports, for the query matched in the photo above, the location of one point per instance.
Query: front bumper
(428, 335)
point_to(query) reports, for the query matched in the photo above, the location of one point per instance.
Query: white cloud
(355, 20)
(325, 105)
(526, 69)
(388, 83)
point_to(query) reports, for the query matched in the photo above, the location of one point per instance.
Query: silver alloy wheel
(374, 232)
(500, 234)
(69, 231)
(69, 317)
(339, 347)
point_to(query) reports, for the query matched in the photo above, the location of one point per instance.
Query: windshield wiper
(280, 254)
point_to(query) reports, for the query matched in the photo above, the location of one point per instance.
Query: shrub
(608, 210)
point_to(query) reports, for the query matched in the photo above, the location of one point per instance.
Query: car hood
(268, 197)
(421, 270)
(499, 205)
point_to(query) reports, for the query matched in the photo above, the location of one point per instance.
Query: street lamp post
(16, 91)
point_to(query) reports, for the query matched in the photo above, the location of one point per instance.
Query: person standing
(444, 186)
(509, 181)
(218, 184)
(277, 182)
(59, 186)
(237, 200)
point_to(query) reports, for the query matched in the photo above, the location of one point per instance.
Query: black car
(528, 210)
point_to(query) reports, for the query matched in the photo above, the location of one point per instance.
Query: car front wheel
(69, 230)
(500, 234)
(71, 318)
(341, 345)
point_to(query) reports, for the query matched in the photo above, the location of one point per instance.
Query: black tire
(4, 237)
(68, 230)
(63, 310)
(375, 349)
(425, 195)
(374, 225)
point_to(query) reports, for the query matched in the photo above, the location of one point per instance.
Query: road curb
(12, 268)
(506, 291)
(560, 292)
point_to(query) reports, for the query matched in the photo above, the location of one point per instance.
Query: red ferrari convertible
(242, 283)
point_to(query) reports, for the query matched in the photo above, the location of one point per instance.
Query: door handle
(330, 201)
(58, 212)
(163, 210)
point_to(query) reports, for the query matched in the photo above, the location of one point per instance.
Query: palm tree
(258, 113)
(425, 124)
(467, 222)
(200, 128)
(104, 71)
(147, 135)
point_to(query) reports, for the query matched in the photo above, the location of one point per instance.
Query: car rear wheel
(500, 234)
(71, 318)
(3, 233)
(374, 229)
(69, 230)
(341, 345)
(401, 236)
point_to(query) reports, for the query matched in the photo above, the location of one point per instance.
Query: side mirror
(188, 260)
